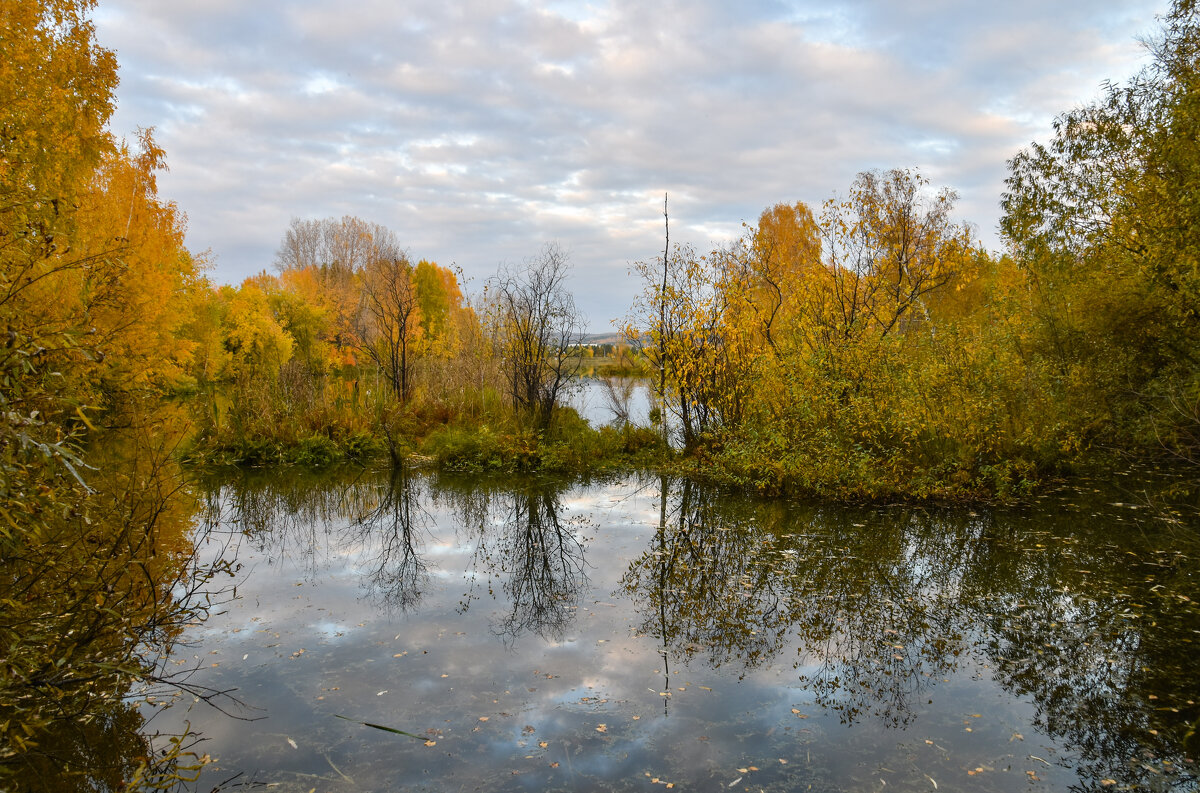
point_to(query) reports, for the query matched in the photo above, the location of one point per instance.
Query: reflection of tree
(94, 600)
(519, 532)
(543, 561)
(1102, 639)
(521, 537)
(706, 590)
(885, 603)
(396, 574)
(300, 517)
(729, 579)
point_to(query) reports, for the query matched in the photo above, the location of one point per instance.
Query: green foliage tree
(1104, 220)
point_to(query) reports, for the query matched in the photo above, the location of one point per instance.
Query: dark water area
(432, 633)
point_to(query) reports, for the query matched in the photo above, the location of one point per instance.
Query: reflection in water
(522, 539)
(883, 605)
(735, 582)
(542, 559)
(396, 575)
(877, 626)
(520, 536)
(93, 601)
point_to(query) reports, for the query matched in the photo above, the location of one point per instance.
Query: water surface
(641, 632)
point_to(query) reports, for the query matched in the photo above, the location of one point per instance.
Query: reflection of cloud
(477, 130)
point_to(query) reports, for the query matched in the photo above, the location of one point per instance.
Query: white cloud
(479, 130)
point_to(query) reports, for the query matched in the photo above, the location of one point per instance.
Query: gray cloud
(479, 129)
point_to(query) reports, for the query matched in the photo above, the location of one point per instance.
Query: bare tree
(536, 326)
(339, 253)
(387, 319)
(335, 247)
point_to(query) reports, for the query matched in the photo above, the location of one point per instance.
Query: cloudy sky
(479, 130)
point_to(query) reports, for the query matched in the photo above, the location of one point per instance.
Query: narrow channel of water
(642, 633)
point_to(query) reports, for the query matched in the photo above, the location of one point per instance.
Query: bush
(316, 451)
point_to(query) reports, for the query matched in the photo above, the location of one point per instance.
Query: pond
(601, 400)
(641, 633)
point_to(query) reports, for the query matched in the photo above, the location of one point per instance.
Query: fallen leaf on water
(483, 718)
(734, 782)
(1108, 782)
(602, 728)
(431, 743)
(782, 761)
(743, 770)
(554, 765)
(543, 744)
(292, 743)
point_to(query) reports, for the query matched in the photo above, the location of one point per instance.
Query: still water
(642, 633)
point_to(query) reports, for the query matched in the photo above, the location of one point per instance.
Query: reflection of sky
(592, 403)
(600, 697)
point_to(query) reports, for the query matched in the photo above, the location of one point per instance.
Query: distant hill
(612, 337)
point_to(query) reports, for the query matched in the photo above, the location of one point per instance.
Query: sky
(480, 130)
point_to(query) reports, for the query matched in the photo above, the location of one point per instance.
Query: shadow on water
(553, 635)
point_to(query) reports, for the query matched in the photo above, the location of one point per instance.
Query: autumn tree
(95, 573)
(886, 247)
(335, 253)
(441, 305)
(783, 254)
